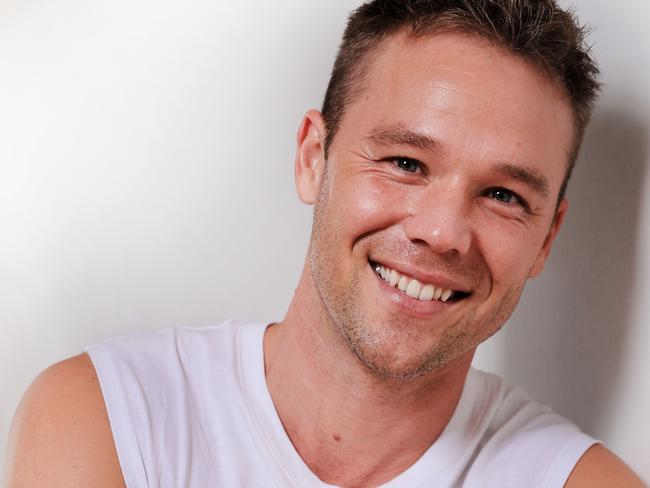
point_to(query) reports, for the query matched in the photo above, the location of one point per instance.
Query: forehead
(473, 96)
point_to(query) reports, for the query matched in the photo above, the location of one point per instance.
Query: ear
(550, 237)
(310, 157)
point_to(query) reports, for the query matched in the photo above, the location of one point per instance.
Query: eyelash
(519, 201)
(397, 159)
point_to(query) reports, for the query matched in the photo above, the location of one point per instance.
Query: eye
(407, 164)
(505, 196)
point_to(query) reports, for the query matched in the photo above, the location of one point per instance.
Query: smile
(413, 288)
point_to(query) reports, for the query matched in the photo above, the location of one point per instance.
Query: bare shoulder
(600, 468)
(60, 435)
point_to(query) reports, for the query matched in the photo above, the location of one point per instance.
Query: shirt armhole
(126, 444)
(567, 458)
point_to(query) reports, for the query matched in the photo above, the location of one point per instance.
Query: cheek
(508, 250)
(368, 206)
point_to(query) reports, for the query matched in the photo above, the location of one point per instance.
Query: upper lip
(435, 278)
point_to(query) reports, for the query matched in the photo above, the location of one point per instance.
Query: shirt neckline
(442, 461)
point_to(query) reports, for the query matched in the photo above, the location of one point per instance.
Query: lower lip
(408, 305)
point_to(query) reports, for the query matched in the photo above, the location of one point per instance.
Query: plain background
(146, 180)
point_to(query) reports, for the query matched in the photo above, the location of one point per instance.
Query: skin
(60, 435)
(365, 381)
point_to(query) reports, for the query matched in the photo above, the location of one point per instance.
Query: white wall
(146, 153)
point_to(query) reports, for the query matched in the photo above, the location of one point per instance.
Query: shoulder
(60, 434)
(159, 347)
(138, 369)
(600, 468)
(524, 442)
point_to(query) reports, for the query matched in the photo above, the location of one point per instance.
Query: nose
(439, 217)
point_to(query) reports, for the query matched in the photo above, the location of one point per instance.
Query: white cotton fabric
(189, 407)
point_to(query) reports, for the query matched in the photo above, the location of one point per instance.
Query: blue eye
(407, 164)
(504, 196)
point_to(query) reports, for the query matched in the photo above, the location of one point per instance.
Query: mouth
(411, 287)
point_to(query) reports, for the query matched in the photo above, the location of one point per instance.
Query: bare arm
(600, 468)
(60, 436)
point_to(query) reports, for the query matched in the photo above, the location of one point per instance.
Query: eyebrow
(398, 135)
(528, 176)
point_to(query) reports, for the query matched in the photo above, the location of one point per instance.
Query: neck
(349, 425)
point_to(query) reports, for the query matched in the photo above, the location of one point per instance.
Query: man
(437, 170)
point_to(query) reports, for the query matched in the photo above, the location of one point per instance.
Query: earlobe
(550, 238)
(310, 159)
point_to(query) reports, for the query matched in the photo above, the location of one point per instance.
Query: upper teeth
(413, 287)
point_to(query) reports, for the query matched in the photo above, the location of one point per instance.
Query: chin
(402, 354)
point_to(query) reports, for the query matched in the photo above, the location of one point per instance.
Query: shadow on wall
(567, 341)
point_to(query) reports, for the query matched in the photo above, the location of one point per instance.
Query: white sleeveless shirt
(189, 407)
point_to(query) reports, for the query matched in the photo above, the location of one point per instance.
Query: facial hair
(392, 347)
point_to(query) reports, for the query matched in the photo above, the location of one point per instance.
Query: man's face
(446, 169)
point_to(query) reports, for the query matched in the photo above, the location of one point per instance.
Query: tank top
(189, 407)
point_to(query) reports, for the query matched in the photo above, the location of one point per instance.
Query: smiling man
(437, 170)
